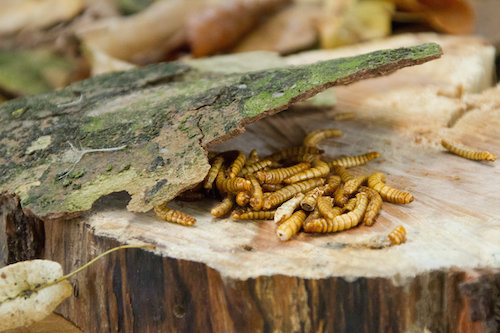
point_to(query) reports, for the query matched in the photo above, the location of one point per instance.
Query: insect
(349, 206)
(352, 161)
(319, 169)
(238, 163)
(212, 173)
(256, 196)
(376, 182)
(313, 138)
(338, 195)
(343, 221)
(287, 208)
(172, 215)
(332, 183)
(291, 226)
(234, 185)
(374, 205)
(271, 187)
(352, 184)
(293, 152)
(467, 153)
(253, 215)
(345, 175)
(276, 176)
(311, 198)
(242, 198)
(253, 157)
(251, 168)
(289, 191)
(326, 209)
(398, 235)
(315, 214)
(224, 207)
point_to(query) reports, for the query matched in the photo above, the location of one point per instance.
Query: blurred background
(47, 44)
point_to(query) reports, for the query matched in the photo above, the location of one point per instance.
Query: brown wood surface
(225, 276)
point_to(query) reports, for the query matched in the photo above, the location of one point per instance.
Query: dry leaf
(350, 22)
(16, 15)
(220, 27)
(19, 304)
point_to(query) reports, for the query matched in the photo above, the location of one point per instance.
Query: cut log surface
(224, 275)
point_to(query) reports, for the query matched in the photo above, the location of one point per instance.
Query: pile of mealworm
(296, 189)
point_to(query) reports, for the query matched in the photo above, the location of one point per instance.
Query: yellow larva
(276, 176)
(293, 152)
(251, 168)
(315, 214)
(237, 165)
(287, 208)
(319, 169)
(306, 157)
(289, 191)
(341, 222)
(253, 215)
(223, 207)
(326, 209)
(317, 224)
(213, 172)
(374, 205)
(352, 161)
(256, 196)
(271, 187)
(311, 198)
(467, 153)
(332, 183)
(242, 198)
(345, 175)
(398, 235)
(291, 226)
(338, 195)
(233, 185)
(313, 138)
(352, 184)
(172, 215)
(376, 182)
(253, 157)
(349, 206)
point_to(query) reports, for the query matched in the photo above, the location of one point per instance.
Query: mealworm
(343, 221)
(251, 168)
(276, 176)
(353, 184)
(326, 209)
(287, 208)
(253, 215)
(213, 172)
(374, 205)
(349, 206)
(237, 165)
(172, 215)
(253, 157)
(315, 214)
(289, 191)
(289, 153)
(316, 225)
(242, 198)
(332, 183)
(311, 198)
(271, 187)
(467, 153)
(338, 195)
(352, 161)
(266, 195)
(291, 226)
(223, 207)
(313, 138)
(376, 182)
(231, 184)
(398, 235)
(345, 175)
(319, 169)
(256, 193)
(306, 157)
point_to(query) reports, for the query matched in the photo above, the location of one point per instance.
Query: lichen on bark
(165, 115)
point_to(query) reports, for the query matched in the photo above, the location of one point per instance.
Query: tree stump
(223, 275)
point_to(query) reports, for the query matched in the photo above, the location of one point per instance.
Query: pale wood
(225, 275)
(52, 324)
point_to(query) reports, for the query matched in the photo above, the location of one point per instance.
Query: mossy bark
(166, 115)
